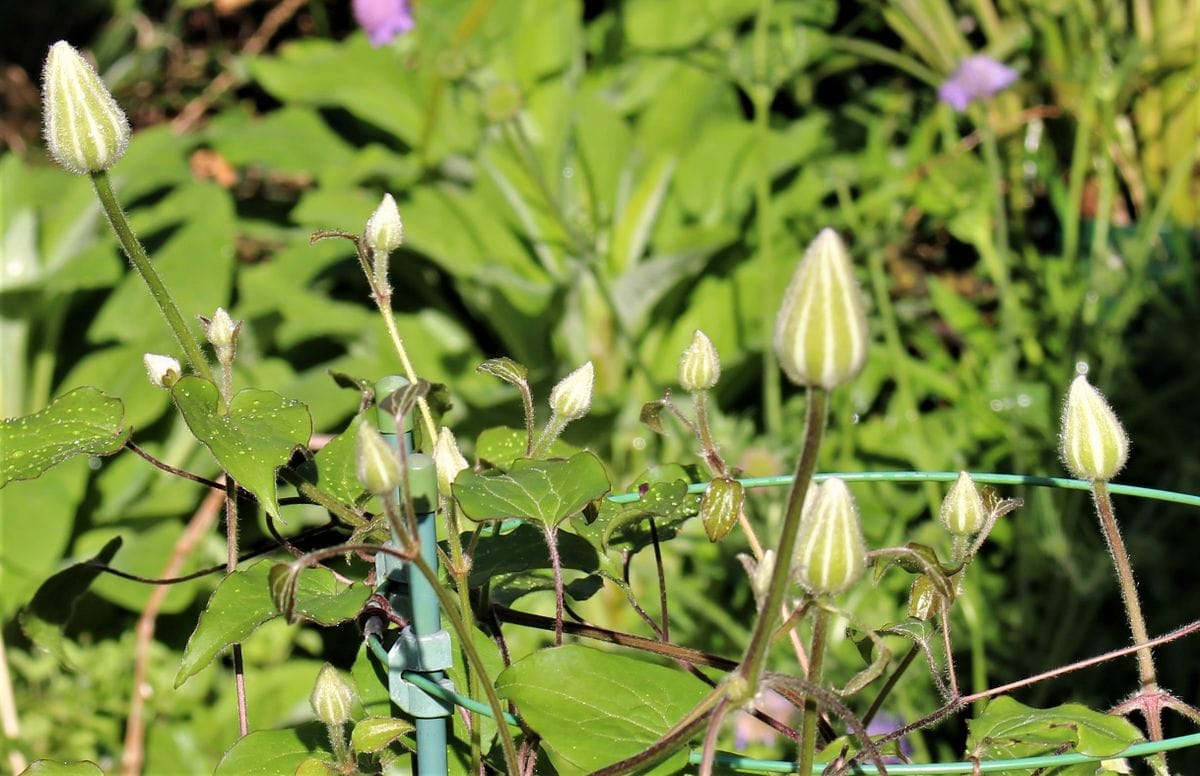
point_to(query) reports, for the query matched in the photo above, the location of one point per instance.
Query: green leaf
(524, 549)
(623, 526)
(243, 601)
(332, 469)
(240, 604)
(255, 438)
(505, 369)
(51, 608)
(1009, 729)
(322, 599)
(375, 733)
(501, 446)
(82, 422)
(54, 768)
(545, 491)
(272, 752)
(623, 703)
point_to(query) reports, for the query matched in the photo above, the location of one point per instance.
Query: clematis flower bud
(572, 397)
(222, 332)
(332, 698)
(700, 366)
(164, 371)
(831, 553)
(86, 131)
(385, 230)
(963, 512)
(1093, 443)
(448, 460)
(376, 463)
(821, 333)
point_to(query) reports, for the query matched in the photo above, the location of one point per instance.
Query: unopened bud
(221, 332)
(821, 333)
(963, 512)
(332, 698)
(384, 231)
(376, 463)
(831, 553)
(720, 507)
(86, 131)
(572, 397)
(164, 371)
(1093, 444)
(700, 366)
(448, 460)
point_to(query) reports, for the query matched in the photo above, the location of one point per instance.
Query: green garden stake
(422, 647)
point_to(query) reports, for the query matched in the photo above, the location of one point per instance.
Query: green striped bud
(221, 332)
(720, 507)
(700, 366)
(1093, 443)
(572, 397)
(385, 230)
(963, 512)
(821, 333)
(86, 131)
(830, 552)
(448, 460)
(376, 463)
(332, 698)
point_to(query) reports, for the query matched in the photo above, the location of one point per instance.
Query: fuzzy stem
(1133, 607)
(816, 658)
(231, 561)
(709, 751)
(553, 428)
(337, 741)
(556, 564)
(756, 650)
(141, 263)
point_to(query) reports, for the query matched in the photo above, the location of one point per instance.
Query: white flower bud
(376, 463)
(384, 231)
(222, 333)
(572, 397)
(86, 131)
(963, 512)
(700, 366)
(1093, 443)
(831, 553)
(332, 698)
(821, 335)
(164, 371)
(447, 459)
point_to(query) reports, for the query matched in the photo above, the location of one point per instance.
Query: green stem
(337, 742)
(756, 650)
(553, 428)
(1129, 595)
(772, 393)
(141, 263)
(816, 658)
(1075, 180)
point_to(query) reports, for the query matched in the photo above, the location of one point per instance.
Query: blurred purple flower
(747, 729)
(884, 723)
(383, 20)
(975, 78)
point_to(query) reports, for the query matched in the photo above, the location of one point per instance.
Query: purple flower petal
(383, 20)
(884, 723)
(976, 78)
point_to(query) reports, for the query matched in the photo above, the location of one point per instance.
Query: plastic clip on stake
(423, 647)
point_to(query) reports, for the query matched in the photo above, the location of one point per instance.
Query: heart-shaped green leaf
(544, 491)
(243, 601)
(524, 549)
(83, 422)
(501, 446)
(1010, 729)
(253, 439)
(272, 752)
(375, 733)
(623, 703)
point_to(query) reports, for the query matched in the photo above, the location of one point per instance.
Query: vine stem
(814, 428)
(816, 664)
(761, 93)
(551, 533)
(141, 262)
(389, 320)
(1133, 607)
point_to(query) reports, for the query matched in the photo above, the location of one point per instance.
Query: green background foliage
(594, 181)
